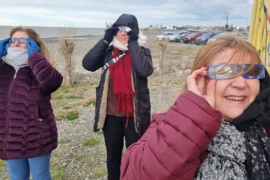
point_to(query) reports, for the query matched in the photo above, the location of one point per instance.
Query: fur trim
(142, 39)
(103, 103)
(134, 104)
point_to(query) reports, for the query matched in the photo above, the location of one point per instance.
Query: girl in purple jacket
(28, 132)
(217, 128)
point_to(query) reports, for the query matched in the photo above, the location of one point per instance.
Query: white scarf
(116, 43)
(142, 39)
(16, 57)
(123, 47)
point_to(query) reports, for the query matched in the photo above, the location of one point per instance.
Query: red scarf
(122, 87)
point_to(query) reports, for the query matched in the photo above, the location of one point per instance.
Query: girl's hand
(197, 83)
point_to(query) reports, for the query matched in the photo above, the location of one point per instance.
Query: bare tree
(66, 44)
(163, 45)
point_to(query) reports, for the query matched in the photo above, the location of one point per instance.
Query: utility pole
(226, 17)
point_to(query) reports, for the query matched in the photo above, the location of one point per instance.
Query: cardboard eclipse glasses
(227, 71)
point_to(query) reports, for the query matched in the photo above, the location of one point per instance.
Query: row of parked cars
(196, 37)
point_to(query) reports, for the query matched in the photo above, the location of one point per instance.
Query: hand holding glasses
(109, 34)
(4, 44)
(32, 46)
(133, 35)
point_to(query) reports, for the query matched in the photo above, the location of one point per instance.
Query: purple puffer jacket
(27, 125)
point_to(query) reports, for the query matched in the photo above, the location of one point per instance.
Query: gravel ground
(74, 161)
(66, 155)
(83, 162)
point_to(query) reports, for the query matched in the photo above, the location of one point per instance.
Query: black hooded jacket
(127, 20)
(142, 67)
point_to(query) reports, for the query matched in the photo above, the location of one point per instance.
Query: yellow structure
(259, 33)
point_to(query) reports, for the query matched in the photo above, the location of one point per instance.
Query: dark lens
(255, 71)
(238, 68)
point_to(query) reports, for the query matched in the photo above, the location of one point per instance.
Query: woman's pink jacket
(175, 142)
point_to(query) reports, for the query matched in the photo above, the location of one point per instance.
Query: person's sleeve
(94, 59)
(173, 144)
(141, 59)
(48, 77)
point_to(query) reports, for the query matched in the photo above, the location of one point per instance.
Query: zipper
(8, 108)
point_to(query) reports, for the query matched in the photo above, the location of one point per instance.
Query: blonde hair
(34, 35)
(242, 50)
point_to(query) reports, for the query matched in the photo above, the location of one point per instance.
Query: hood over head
(127, 20)
(258, 110)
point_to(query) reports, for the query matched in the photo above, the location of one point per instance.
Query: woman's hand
(4, 44)
(197, 83)
(109, 34)
(32, 46)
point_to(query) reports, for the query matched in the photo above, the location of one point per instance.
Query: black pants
(114, 132)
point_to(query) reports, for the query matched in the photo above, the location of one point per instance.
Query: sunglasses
(124, 29)
(227, 71)
(20, 40)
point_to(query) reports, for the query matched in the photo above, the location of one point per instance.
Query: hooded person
(131, 22)
(122, 97)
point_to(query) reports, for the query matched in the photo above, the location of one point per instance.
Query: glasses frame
(236, 69)
(124, 29)
(20, 40)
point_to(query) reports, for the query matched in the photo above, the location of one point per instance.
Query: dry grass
(177, 57)
(71, 99)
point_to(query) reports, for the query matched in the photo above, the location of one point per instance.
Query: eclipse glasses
(227, 71)
(124, 29)
(20, 40)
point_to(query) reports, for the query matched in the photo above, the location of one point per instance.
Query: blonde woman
(27, 126)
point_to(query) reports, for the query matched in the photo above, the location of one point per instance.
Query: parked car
(172, 38)
(192, 37)
(204, 38)
(182, 36)
(216, 36)
(164, 36)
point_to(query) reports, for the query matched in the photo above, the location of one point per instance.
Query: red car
(192, 37)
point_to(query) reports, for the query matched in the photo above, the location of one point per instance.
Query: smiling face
(234, 95)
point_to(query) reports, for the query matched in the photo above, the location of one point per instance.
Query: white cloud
(95, 13)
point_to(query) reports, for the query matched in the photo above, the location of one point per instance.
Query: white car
(164, 36)
(172, 38)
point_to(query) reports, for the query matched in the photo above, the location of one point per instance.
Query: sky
(95, 13)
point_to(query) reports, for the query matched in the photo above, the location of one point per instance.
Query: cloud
(95, 13)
